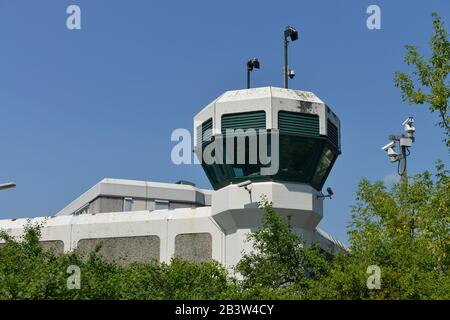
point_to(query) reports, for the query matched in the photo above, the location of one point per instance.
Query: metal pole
(404, 181)
(286, 62)
(403, 166)
(248, 78)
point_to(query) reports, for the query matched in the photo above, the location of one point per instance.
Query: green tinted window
(326, 161)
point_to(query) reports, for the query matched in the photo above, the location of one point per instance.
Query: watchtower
(295, 129)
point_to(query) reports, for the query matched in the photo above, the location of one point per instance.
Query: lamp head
(253, 63)
(8, 185)
(290, 32)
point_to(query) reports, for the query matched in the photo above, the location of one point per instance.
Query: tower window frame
(127, 204)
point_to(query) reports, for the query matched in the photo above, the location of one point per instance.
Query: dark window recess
(304, 155)
(323, 168)
(299, 156)
(333, 133)
(298, 123)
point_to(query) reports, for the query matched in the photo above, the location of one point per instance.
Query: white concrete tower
(302, 139)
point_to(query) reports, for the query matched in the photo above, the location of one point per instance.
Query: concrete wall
(189, 233)
(123, 250)
(194, 246)
(233, 209)
(56, 246)
(133, 237)
(178, 205)
(106, 204)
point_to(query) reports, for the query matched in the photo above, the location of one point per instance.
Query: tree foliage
(280, 257)
(407, 235)
(27, 271)
(429, 83)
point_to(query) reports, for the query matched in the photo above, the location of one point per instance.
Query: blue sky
(78, 106)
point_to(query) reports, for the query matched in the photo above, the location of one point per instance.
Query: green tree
(429, 82)
(27, 271)
(280, 258)
(414, 262)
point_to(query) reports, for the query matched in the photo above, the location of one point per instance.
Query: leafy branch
(428, 83)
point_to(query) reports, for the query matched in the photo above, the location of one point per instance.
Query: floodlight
(8, 185)
(290, 32)
(252, 63)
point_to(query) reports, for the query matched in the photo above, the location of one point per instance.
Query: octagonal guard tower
(295, 129)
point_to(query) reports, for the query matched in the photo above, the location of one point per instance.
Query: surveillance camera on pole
(291, 73)
(247, 185)
(330, 193)
(408, 126)
(405, 141)
(252, 63)
(390, 149)
(292, 34)
(244, 184)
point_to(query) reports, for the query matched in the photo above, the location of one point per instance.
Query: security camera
(408, 126)
(391, 152)
(329, 195)
(389, 148)
(393, 158)
(409, 120)
(409, 129)
(330, 191)
(247, 185)
(244, 184)
(291, 73)
(390, 145)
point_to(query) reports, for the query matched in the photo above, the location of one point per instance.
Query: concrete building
(114, 195)
(140, 220)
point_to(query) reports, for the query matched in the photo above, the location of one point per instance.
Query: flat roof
(140, 189)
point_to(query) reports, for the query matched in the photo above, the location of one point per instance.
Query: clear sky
(77, 106)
